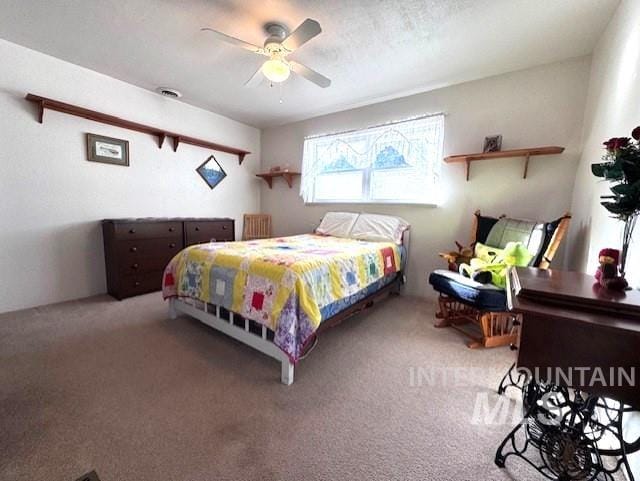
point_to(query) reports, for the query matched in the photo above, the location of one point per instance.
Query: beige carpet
(118, 387)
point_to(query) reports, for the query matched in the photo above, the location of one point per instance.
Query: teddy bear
(607, 273)
(493, 268)
(455, 258)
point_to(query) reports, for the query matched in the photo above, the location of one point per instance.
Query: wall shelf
(286, 175)
(44, 103)
(526, 153)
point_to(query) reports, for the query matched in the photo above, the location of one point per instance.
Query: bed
(276, 295)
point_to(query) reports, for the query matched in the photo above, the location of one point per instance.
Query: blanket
(282, 283)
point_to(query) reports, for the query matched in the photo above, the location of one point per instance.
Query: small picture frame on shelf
(492, 143)
(107, 150)
(211, 172)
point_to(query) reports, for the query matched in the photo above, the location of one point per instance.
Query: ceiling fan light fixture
(276, 70)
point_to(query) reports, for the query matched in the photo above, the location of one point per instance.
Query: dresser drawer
(205, 231)
(148, 230)
(144, 265)
(140, 283)
(134, 250)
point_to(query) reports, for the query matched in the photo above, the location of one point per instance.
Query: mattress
(289, 284)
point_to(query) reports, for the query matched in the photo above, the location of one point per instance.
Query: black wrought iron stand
(562, 432)
(510, 381)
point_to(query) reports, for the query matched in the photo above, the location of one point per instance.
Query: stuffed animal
(607, 273)
(455, 258)
(494, 270)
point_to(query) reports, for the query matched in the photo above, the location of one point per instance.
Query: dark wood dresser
(137, 250)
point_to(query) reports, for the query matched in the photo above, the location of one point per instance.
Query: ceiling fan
(278, 45)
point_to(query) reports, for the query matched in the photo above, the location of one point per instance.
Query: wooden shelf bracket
(44, 103)
(287, 176)
(526, 153)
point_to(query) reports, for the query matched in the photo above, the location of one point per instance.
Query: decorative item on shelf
(492, 143)
(277, 171)
(607, 274)
(526, 153)
(107, 150)
(211, 171)
(622, 169)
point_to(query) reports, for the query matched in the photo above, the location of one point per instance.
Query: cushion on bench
(486, 297)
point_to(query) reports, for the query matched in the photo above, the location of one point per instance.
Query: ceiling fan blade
(235, 41)
(305, 32)
(256, 79)
(309, 74)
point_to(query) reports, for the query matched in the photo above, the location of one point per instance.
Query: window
(393, 163)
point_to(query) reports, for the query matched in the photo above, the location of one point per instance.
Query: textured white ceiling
(372, 50)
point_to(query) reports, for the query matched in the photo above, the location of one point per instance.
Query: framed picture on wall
(107, 150)
(492, 143)
(211, 171)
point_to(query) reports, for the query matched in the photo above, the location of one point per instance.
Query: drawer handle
(171, 229)
(134, 249)
(132, 231)
(172, 245)
(224, 227)
(135, 266)
(136, 283)
(197, 228)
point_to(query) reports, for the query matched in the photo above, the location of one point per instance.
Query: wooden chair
(256, 226)
(489, 328)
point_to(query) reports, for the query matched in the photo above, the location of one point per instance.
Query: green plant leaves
(599, 169)
(622, 169)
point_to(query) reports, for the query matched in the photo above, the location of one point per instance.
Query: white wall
(613, 110)
(539, 106)
(53, 198)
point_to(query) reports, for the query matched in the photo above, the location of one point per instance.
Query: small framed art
(107, 150)
(492, 143)
(211, 172)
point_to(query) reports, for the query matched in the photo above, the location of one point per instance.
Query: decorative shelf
(44, 103)
(526, 153)
(285, 174)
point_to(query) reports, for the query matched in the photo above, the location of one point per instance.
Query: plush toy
(607, 273)
(455, 258)
(494, 270)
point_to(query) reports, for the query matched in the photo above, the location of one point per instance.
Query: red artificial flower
(622, 142)
(616, 143)
(636, 133)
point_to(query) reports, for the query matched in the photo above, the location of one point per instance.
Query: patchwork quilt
(282, 283)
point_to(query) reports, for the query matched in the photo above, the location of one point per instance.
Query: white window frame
(312, 165)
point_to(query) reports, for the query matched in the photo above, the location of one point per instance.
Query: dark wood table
(570, 321)
(578, 349)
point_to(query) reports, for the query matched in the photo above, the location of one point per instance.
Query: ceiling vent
(169, 92)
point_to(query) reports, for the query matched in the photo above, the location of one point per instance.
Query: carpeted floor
(119, 388)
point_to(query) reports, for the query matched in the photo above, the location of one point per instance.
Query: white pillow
(337, 224)
(375, 227)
